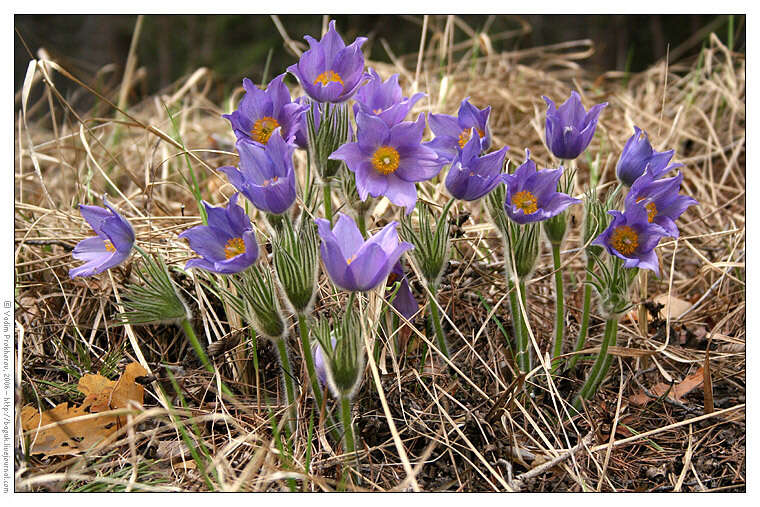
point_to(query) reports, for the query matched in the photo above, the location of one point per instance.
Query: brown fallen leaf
(677, 393)
(67, 435)
(677, 306)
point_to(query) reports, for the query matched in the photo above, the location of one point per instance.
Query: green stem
(306, 346)
(516, 317)
(348, 430)
(327, 200)
(362, 223)
(601, 365)
(436, 317)
(559, 307)
(524, 358)
(287, 374)
(190, 333)
(586, 313)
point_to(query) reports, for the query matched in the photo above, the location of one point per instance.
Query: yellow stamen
(234, 247)
(525, 201)
(350, 260)
(263, 128)
(377, 111)
(270, 182)
(328, 76)
(385, 160)
(624, 239)
(651, 209)
(464, 136)
(109, 245)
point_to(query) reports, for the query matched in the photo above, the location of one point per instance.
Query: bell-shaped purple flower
(471, 176)
(227, 244)
(532, 196)
(354, 264)
(330, 71)
(261, 112)
(389, 160)
(452, 133)
(110, 247)
(384, 99)
(661, 199)
(302, 133)
(631, 237)
(266, 175)
(569, 128)
(638, 154)
(320, 363)
(403, 301)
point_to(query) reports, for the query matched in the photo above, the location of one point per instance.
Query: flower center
(624, 239)
(464, 136)
(385, 160)
(270, 182)
(525, 201)
(651, 209)
(234, 247)
(328, 76)
(109, 245)
(263, 128)
(377, 111)
(350, 260)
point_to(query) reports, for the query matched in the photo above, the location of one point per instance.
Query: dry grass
(471, 431)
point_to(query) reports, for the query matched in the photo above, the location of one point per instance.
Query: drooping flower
(227, 244)
(532, 195)
(470, 176)
(260, 112)
(354, 264)
(631, 237)
(452, 133)
(110, 247)
(661, 199)
(389, 160)
(383, 99)
(266, 175)
(320, 362)
(569, 128)
(330, 71)
(403, 301)
(638, 154)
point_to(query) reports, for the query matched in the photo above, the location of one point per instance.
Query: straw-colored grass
(471, 431)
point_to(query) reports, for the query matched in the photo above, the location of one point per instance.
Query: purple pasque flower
(452, 133)
(110, 247)
(330, 71)
(403, 301)
(470, 176)
(384, 99)
(631, 237)
(354, 264)
(320, 363)
(637, 155)
(266, 175)
(261, 112)
(569, 128)
(532, 195)
(389, 160)
(661, 199)
(227, 244)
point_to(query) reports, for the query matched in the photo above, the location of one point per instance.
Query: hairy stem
(601, 365)
(586, 313)
(559, 307)
(523, 349)
(436, 316)
(327, 200)
(287, 374)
